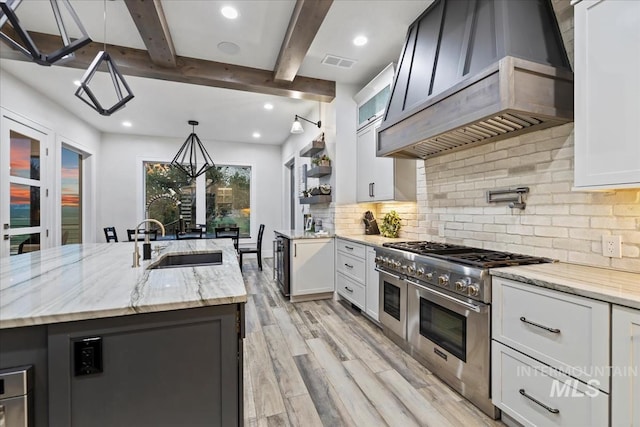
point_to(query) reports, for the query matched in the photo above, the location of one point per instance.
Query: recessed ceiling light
(127, 124)
(268, 106)
(229, 12)
(360, 40)
(256, 135)
(229, 47)
(76, 82)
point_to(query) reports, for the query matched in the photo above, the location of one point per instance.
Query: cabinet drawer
(576, 403)
(352, 291)
(351, 266)
(568, 332)
(351, 248)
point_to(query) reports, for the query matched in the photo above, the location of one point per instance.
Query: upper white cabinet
(379, 178)
(625, 360)
(607, 90)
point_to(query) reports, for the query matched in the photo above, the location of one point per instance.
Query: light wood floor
(321, 363)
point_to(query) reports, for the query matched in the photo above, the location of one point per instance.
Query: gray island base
(163, 363)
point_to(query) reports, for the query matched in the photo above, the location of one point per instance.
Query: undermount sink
(188, 260)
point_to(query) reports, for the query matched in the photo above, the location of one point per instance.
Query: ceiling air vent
(336, 61)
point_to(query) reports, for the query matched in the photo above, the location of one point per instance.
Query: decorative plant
(391, 224)
(323, 160)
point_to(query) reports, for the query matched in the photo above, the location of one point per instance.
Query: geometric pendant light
(192, 158)
(85, 93)
(25, 44)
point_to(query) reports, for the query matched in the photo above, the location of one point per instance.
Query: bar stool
(110, 234)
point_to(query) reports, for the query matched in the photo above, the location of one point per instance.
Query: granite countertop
(617, 287)
(77, 282)
(370, 239)
(301, 234)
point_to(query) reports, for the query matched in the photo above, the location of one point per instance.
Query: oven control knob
(461, 285)
(396, 264)
(429, 276)
(378, 260)
(474, 291)
(403, 267)
(411, 270)
(420, 272)
(443, 280)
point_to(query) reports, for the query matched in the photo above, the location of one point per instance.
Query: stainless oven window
(444, 327)
(392, 300)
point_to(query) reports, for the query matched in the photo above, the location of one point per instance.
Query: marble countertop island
(301, 234)
(89, 281)
(617, 287)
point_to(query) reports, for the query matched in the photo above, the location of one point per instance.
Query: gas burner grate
(491, 259)
(427, 248)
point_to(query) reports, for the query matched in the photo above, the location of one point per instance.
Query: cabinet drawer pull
(537, 325)
(533, 399)
(349, 247)
(348, 265)
(348, 289)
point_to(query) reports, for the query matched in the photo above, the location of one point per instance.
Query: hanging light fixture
(296, 127)
(25, 44)
(192, 158)
(85, 93)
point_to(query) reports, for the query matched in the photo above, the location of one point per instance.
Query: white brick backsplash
(572, 221)
(551, 231)
(630, 251)
(627, 210)
(551, 210)
(537, 241)
(620, 223)
(592, 210)
(535, 220)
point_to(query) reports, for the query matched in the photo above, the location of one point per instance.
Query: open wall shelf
(312, 200)
(318, 171)
(313, 148)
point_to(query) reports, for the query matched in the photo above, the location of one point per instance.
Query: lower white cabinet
(373, 284)
(356, 277)
(534, 394)
(312, 266)
(625, 360)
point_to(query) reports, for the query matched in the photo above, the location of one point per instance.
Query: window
(228, 197)
(71, 196)
(170, 197)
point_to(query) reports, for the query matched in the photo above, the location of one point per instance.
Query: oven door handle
(388, 274)
(470, 306)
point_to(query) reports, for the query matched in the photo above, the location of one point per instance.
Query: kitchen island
(116, 345)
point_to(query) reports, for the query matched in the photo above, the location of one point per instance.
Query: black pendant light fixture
(122, 89)
(296, 127)
(26, 45)
(192, 158)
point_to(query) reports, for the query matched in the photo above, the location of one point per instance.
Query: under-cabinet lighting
(229, 12)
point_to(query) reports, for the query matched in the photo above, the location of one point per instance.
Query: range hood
(476, 71)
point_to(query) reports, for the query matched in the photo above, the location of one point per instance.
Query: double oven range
(435, 304)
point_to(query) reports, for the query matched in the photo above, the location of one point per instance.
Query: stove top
(480, 258)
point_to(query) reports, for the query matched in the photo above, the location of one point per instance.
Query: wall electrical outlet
(612, 246)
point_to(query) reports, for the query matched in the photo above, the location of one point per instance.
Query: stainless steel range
(435, 303)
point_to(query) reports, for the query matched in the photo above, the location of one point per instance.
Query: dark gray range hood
(476, 71)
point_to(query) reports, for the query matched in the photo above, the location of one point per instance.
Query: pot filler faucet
(147, 244)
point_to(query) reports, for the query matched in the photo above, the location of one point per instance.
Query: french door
(24, 208)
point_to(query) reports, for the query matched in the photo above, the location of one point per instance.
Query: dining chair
(228, 232)
(256, 250)
(110, 234)
(190, 233)
(131, 234)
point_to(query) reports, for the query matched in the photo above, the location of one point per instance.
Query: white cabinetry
(379, 178)
(350, 272)
(607, 90)
(625, 359)
(312, 266)
(373, 284)
(550, 353)
(356, 278)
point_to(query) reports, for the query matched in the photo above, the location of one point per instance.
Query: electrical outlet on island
(612, 246)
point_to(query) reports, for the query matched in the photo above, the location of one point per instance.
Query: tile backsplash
(557, 222)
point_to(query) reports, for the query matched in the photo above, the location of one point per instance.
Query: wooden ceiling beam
(152, 26)
(135, 62)
(305, 22)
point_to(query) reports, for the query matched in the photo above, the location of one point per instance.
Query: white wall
(22, 101)
(121, 179)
